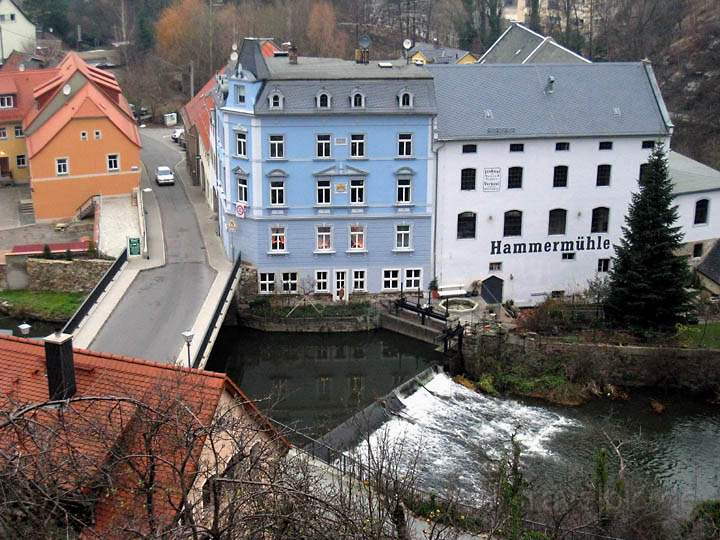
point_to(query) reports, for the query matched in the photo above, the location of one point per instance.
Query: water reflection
(37, 328)
(316, 381)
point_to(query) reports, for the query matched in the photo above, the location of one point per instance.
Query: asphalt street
(162, 302)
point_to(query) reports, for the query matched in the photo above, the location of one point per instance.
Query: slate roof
(690, 176)
(437, 54)
(512, 101)
(710, 265)
(520, 45)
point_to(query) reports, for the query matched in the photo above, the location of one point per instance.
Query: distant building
(520, 45)
(325, 172)
(551, 13)
(17, 32)
(434, 53)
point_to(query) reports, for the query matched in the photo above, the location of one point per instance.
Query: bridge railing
(92, 298)
(213, 327)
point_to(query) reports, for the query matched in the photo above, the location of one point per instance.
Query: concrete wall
(79, 275)
(323, 325)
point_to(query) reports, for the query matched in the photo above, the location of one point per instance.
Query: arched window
(405, 100)
(560, 176)
(358, 100)
(323, 100)
(515, 175)
(513, 223)
(701, 211)
(557, 220)
(466, 225)
(600, 220)
(275, 100)
(467, 179)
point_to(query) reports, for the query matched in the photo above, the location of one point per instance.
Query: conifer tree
(648, 280)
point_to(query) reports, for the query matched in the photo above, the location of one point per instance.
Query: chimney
(60, 366)
(550, 87)
(293, 54)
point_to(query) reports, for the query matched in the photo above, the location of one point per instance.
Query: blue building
(324, 172)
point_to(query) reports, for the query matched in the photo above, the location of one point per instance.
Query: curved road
(162, 302)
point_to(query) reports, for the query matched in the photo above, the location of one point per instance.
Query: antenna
(234, 56)
(364, 42)
(407, 44)
(234, 46)
(67, 89)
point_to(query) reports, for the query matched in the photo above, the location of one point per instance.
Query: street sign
(240, 210)
(134, 249)
(491, 179)
(231, 225)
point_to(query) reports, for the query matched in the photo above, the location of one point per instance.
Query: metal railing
(92, 298)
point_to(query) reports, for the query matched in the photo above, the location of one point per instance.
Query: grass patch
(263, 308)
(41, 305)
(700, 335)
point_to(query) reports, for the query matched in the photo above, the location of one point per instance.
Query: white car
(164, 176)
(177, 134)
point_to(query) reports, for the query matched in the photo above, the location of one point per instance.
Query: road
(162, 302)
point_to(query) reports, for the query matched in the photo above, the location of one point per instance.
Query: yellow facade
(12, 146)
(420, 58)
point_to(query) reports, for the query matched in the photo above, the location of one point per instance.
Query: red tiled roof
(58, 247)
(21, 83)
(268, 48)
(91, 430)
(198, 109)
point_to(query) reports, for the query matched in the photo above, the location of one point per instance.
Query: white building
(17, 32)
(536, 167)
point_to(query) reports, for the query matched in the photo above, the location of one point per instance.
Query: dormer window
(357, 100)
(405, 100)
(323, 100)
(275, 101)
(7, 102)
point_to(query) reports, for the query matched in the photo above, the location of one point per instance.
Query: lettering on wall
(583, 243)
(491, 179)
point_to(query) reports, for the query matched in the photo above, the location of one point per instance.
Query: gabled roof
(515, 101)
(197, 111)
(690, 176)
(520, 45)
(21, 83)
(710, 265)
(437, 54)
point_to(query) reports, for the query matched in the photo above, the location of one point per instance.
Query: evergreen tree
(648, 280)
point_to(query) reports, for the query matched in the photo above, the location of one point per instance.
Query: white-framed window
(113, 162)
(402, 237)
(359, 280)
(391, 279)
(357, 191)
(277, 239)
(7, 102)
(277, 193)
(405, 144)
(322, 281)
(405, 100)
(323, 238)
(19, 133)
(21, 161)
(242, 189)
(604, 265)
(357, 238)
(267, 282)
(289, 282)
(323, 100)
(277, 146)
(241, 144)
(98, 134)
(413, 278)
(240, 94)
(357, 145)
(323, 193)
(83, 135)
(322, 146)
(404, 190)
(275, 101)
(357, 100)
(3, 133)
(62, 166)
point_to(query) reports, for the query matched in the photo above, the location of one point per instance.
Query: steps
(26, 206)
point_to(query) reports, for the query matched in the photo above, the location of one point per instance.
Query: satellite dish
(407, 44)
(364, 42)
(67, 89)
(234, 46)
(234, 56)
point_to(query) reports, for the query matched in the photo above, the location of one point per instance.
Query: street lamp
(188, 337)
(24, 329)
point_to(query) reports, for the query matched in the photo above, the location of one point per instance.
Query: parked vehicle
(164, 176)
(177, 134)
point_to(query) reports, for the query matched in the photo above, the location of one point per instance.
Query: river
(37, 328)
(314, 382)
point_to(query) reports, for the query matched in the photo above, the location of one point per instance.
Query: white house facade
(17, 32)
(534, 183)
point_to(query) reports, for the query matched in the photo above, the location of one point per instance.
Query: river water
(37, 328)
(314, 382)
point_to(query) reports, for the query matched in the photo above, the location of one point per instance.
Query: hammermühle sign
(583, 243)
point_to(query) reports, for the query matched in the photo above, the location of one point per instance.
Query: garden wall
(78, 275)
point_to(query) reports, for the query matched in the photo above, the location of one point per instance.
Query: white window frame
(83, 135)
(353, 105)
(98, 135)
(277, 235)
(318, 280)
(292, 283)
(355, 190)
(240, 93)
(355, 146)
(242, 183)
(267, 285)
(405, 189)
(405, 145)
(24, 161)
(323, 148)
(19, 132)
(401, 99)
(385, 278)
(66, 162)
(323, 193)
(414, 279)
(407, 235)
(117, 160)
(271, 101)
(276, 146)
(361, 235)
(277, 192)
(241, 144)
(3, 133)
(329, 234)
(318, 100)
(7, 101)
(364, 279)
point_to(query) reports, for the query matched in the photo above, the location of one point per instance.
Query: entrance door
(340, 292)
(492, 290)
(4, 166)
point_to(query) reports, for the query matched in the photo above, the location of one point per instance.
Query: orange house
(82, 140)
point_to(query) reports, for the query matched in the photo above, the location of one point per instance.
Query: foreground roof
(520, 101)
(21, 84)
(520, 45)
(690, 176)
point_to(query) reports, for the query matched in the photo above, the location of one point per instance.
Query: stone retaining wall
(415, 330)
(78, 275)
(324, 325)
